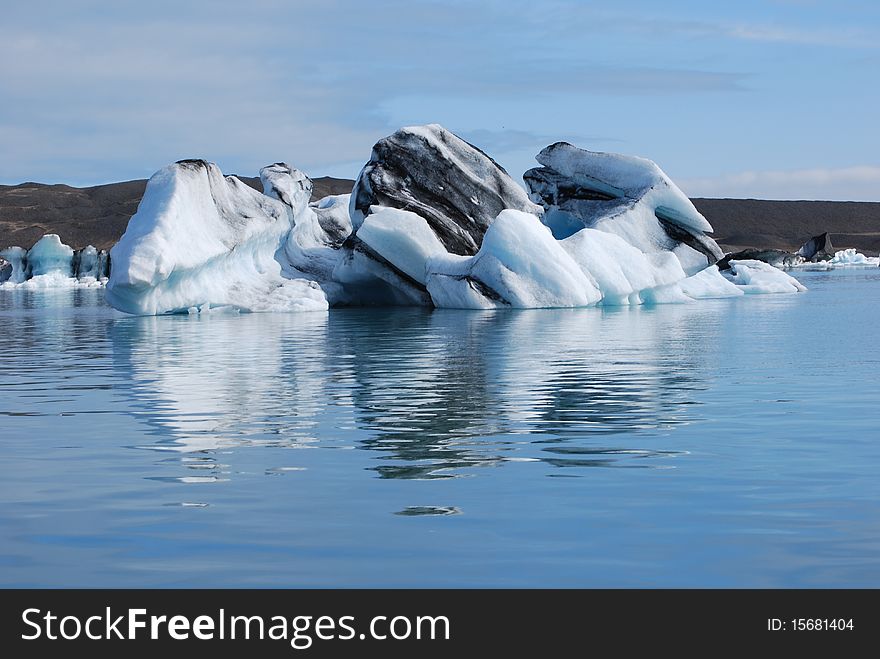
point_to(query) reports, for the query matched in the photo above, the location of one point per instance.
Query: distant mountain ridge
(786, 225)
(98, 216)
(95, 215)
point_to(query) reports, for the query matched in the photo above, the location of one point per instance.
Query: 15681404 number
(810, 624)
(821, 624)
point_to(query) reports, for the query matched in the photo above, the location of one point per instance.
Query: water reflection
(434, 394)
(127, 460)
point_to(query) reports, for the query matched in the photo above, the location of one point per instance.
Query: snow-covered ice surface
(202, 240)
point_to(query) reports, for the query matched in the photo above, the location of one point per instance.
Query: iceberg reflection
(433, 393)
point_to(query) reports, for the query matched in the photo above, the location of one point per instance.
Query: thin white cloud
(86, 94)
(96, 90)
(839, 38)
(857, 183)
(848, 32)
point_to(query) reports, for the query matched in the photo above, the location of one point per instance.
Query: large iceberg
(200, 240)
(431, 221)
(624, 195)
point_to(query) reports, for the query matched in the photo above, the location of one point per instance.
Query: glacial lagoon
(723, 443)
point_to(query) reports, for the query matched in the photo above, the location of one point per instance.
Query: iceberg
(850, 257)
(52, 264)
(91, 263)
(50, 256)
(431, 221)
(16, 268)
(778, 258)
(757, 277)
(624, 195)
(200, 240)
(817, 248)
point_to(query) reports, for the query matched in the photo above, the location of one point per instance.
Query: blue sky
(764, 99)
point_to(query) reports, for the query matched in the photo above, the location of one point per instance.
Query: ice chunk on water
(50, 255)
(759, 277)
(85, 263)
(58, 280)
(852, 257)
(622, 233)
(90, 263)
(709, 283)
(51, 264)
(16, 257)
(201, 238)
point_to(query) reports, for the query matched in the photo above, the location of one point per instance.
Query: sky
(772, 99)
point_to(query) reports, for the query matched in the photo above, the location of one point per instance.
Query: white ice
(521, 265)
(850, 257)
(199, 238)
(57, 280)
(521, 262)
(709, 283)
(402, 238)
(310, 249)
(757, 277)
(630, 177)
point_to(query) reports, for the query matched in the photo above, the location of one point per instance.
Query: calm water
(724, 443)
